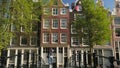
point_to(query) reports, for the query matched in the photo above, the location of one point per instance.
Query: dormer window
(63, 11)
(55, 11)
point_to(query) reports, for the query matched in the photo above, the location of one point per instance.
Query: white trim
(41, 52)
(54, 37)
(73, 30)
(13, 27)
(16, 57)
(22, 29)
(44, 23)
(11, 40)
(63, 55)
(65, 22)
(35, 38)
(8, 60)
(21, 41)
(22, 57)
(44, 36)
(63, 11)
(72, 41)
(61, 38)
(55, 11)
(57, 21)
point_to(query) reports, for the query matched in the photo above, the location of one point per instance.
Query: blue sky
(107, 3)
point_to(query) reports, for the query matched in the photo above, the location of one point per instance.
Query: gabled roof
(51, 2)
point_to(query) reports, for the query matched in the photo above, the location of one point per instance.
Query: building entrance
(54, 62)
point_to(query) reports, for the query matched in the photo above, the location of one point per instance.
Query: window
(117, 20)
(54, 11)
(26, 52)
(23, 40)
(14, 40)
(63, 23)
(55, 38)
(65, 49)
(54, 50)
(13, 27)
(117, 32)
(55, 23)
(60, 50)
(75, 41)
(33, 53)
(63, 11)
(46, 37)
(12, 53)
(63, 38)
(46, 50)
(46, 24)
(73, 30)
(33, 40)
(85, 41)
(46, 11)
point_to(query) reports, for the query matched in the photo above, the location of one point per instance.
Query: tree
(93, 25)
(4, 24)
(18, 13)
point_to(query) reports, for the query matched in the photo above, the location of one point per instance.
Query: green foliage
(94, 23)
(4, 25)
(21, 13)
(18, 13)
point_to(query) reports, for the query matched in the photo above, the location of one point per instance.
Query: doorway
(54, 62)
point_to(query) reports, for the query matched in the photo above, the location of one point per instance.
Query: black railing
(35, 63)
(71, 62)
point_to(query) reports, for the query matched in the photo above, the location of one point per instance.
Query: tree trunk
(91, 51)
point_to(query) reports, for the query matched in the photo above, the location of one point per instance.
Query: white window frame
(63, 23)
(54, 22)
(16, 40)
(35, 38)
(46, 21)
(55, 11)
(12, 59)
(83, 42)
(63, 11)
(21, 41)
(76, 40)
(45, 38)
(73, 30)
(13, 28)
(63, 37)
(54, 37)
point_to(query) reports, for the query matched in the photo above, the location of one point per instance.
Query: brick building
(55, 32)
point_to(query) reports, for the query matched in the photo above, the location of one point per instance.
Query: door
(65, 61)
(54, 62)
